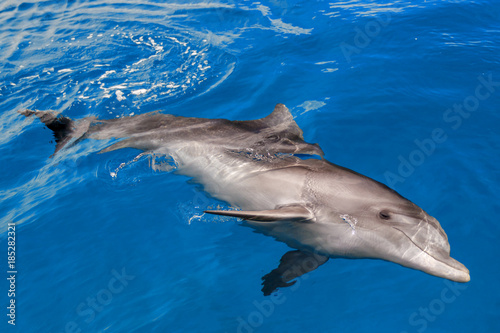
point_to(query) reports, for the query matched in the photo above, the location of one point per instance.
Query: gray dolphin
(320, 209)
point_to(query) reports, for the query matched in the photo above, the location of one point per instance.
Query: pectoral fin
(292, 265)
(288, 213)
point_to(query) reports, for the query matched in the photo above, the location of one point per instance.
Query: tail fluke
(63, 128)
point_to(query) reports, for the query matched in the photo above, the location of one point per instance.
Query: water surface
(370, 81)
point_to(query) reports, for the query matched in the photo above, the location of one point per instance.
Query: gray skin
(321, 209)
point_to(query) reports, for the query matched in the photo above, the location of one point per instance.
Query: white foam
(119, 95)
(139, 91)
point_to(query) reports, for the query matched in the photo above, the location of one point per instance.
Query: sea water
(405, 92)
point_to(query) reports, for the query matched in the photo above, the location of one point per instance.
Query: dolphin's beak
(454, 271)
(464, 275)
(435, 261)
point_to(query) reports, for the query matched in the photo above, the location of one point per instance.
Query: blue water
(373, 82)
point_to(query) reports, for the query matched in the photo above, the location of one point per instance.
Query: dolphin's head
(365, 219)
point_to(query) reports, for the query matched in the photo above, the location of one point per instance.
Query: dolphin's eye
(384, 215)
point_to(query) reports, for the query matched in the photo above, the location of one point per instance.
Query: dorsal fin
(280, 115)
(279, 133)
(280, 120)
(283, 120)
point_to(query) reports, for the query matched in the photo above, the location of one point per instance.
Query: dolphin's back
(160, 133)
(231, 159)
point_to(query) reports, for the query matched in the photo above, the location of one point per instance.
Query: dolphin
(282, 187)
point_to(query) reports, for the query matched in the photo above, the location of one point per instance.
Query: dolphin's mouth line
(424, 250)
